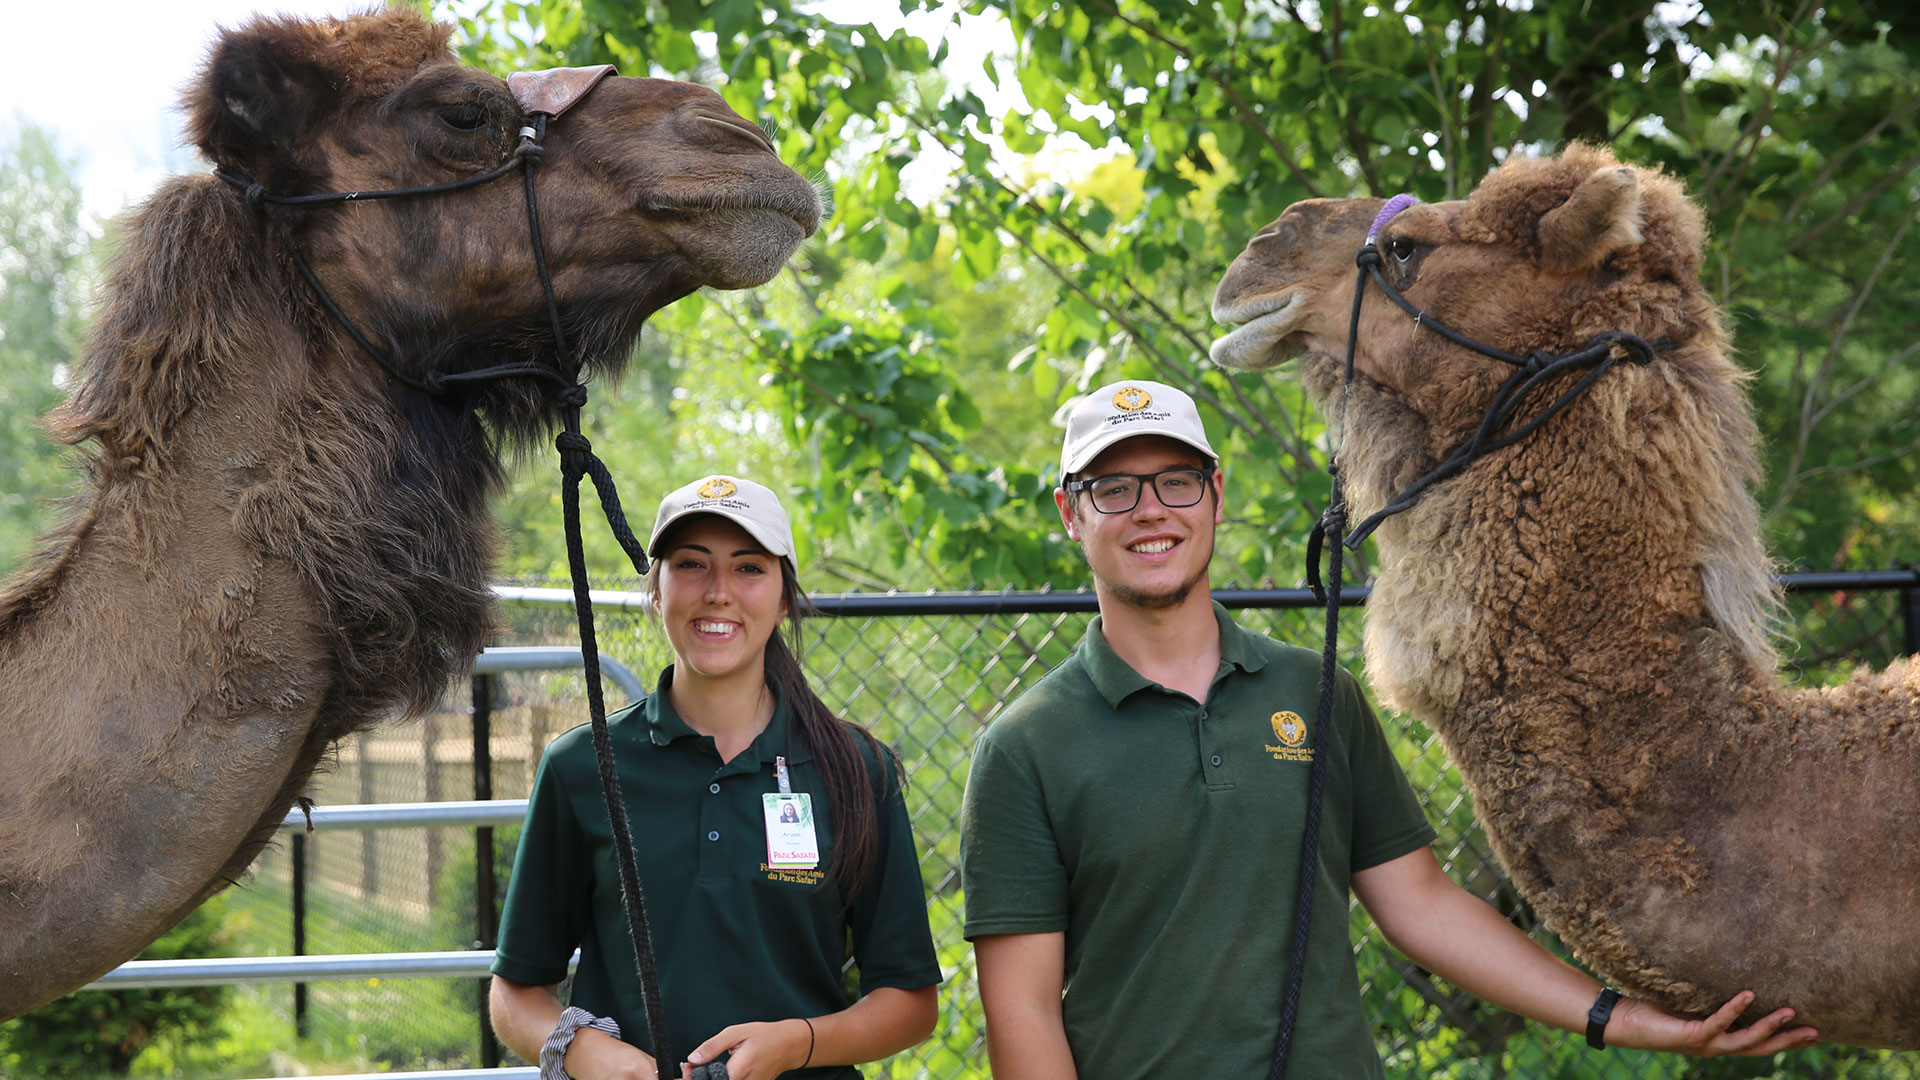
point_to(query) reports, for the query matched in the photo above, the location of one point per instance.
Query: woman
(750, 914)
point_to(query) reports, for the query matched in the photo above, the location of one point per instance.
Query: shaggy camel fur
(1584, 618)
(279, 544)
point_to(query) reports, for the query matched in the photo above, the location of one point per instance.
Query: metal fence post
(486, 921)
(300, 929)
(1910, 607)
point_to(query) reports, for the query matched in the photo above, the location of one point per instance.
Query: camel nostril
(741, 129)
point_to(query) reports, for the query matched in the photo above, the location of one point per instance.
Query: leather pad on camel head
(555, 90)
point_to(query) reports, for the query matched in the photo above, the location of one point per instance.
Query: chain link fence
(926, 673)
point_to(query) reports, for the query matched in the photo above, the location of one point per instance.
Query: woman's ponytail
(856, 806)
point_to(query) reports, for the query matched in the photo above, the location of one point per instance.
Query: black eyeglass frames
(1119, 493)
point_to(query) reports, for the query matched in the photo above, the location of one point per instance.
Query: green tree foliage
(46, 273)
(1790, 125)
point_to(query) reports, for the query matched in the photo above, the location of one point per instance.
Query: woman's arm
(524, 1015)
(884, 1022)
(1452, 933)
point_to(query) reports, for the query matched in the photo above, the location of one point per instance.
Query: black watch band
(1598, 1016)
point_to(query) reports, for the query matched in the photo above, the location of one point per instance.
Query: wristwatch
(1598, 1016)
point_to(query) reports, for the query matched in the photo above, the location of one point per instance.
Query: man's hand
(760, 1051)
(1646, 1026)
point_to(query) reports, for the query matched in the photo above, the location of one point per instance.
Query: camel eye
(1401, 248)
(464, 117)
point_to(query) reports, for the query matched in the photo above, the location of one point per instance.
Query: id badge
(790, 839)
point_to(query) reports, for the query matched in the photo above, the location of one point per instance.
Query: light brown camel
(278, 543)
(1584, 618)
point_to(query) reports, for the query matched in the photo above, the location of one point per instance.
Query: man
(1132, 826)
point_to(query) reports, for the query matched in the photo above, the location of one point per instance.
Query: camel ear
(1602, 216)
(256, 99)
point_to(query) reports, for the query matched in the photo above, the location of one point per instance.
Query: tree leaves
(1794, 129)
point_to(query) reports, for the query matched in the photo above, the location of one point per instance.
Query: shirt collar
(1116, 679)
(665, 726)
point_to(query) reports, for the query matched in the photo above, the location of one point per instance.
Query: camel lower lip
(1256, 343)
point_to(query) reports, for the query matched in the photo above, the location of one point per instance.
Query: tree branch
(1160, 359)
(1860, 200)
(1223, 80)
(1809, 415)
(1833, 164)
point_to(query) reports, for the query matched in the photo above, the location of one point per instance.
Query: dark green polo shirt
(1163, 836)
(735, 941)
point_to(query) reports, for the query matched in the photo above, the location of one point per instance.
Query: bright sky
(110, 91)
(106, 77)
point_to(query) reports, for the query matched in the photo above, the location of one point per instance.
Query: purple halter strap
(1394, 206)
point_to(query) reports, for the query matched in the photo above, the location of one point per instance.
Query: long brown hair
(853, 801)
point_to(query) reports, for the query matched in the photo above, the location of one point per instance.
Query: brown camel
(1585, 617)
(280, 544)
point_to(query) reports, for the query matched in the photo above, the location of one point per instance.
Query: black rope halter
(577, 459)
(1497, 431)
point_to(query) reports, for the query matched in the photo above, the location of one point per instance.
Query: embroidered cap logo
(717, 488)
(1131, 399)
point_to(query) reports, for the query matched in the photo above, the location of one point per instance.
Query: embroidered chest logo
(717, 488)
(1291, 731)
(1131, 399)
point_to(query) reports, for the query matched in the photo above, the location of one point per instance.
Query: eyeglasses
(1119, 493)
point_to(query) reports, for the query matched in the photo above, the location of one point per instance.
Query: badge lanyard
(791, 842)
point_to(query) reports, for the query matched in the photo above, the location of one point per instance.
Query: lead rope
(1532, 371)
(576, 460)
(1334, 523)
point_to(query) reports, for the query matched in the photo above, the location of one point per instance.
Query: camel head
(647, 189)
(1542, 256)
(1545, 254)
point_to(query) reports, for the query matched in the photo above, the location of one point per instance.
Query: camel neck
(1177, 647)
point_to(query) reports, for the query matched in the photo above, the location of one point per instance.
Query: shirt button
(1216, 759)
(714, 835)
(715, 788)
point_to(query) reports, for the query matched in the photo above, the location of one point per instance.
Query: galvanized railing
(1018, 641)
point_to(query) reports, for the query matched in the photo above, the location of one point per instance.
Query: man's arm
(1021, 976)
(1453, 934)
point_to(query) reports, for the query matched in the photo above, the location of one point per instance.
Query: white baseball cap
(753, 507)
(1124, 409)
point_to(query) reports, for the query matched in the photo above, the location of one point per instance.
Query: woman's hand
(760, 1051)
(595, 1055)
(1645, 1026)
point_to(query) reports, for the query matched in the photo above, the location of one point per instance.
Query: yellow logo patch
(1292, 732)
(717, 488)
(1131, 399)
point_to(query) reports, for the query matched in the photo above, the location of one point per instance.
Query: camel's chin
(740, 249)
